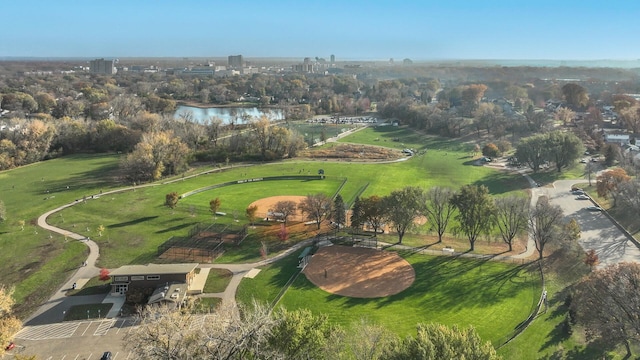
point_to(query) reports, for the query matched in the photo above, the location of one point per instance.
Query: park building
(161, 283)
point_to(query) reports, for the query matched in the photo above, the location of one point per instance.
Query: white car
(594, 208)
(582, 197)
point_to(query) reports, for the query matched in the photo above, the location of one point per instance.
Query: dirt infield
(359, 272)
(268, 203)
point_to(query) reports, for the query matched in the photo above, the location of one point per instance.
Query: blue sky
(367, 30)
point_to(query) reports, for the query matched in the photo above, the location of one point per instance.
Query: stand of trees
(253, 332)
(561, 148)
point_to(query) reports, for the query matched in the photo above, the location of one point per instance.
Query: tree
(475, 211)
(357, 216)
(611, 154)
(171, 200)
(316, 208)
(545, 224)
(9, 324)
(228, 333)
(214, 206)
(284, 209)
(591, 259)
(3, 212)
(283, 234)
(589, 169)
(367, 341)
(575, 95)
(373, 212)
(104, 275)
(339, 213)
(629, 194)
(563, 148)
(606, 302)
(439, 208)
(300, 334)
(156, 155)
(491, 150)
(565, 115)
(532, 151)
(511, 216)
(435, 341)
(609, 182)
(403, 207)
(250, 212)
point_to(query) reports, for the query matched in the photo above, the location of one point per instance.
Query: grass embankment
(87, 311)
(33, 260)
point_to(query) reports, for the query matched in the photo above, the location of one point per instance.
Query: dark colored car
(106, 355)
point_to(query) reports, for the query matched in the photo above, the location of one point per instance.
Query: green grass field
(136, 222)
(494, 297)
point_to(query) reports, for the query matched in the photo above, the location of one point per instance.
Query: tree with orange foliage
(609, 182)
(591, 258)
(104, 274)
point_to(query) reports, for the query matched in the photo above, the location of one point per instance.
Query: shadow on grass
(131, 222)
(174, 228)
(500, 182)
(92, 290)
(452, 282)
(594, 350)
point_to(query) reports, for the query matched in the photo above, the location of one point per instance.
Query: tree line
(254, 332)
(475, 211)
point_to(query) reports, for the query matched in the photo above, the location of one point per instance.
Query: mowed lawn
(493, 297)
(31, 259)
(137, 222)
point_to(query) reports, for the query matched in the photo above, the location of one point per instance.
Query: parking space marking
(103, 327)
(49, 331)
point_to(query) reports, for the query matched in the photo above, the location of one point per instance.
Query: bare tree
(316, 208)
(511, 215)
(607, 302)
(169, 333)
(439, 209)
(284, 209)
(545, 224)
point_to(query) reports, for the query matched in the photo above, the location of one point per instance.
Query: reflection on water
(229, 115)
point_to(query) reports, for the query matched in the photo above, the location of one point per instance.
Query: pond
(228, 114)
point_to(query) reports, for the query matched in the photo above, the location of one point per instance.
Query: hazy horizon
(423, 31)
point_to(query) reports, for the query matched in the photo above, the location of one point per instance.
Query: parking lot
(75, 340)
(598, 231)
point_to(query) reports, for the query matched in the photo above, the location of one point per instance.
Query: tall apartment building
(102, 66)
(236, 61)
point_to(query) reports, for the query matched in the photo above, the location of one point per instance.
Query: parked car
(582, 197)
(578, 192)
(574, 188)
(594, 208)
(583, 161)
(106, 355)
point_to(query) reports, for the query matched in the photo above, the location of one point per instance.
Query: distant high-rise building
(102, 66)
(236, 61)
(333, 59)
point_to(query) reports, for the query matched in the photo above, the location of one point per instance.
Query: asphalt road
(598, 231)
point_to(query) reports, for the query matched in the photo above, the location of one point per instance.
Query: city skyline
(355, 30)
